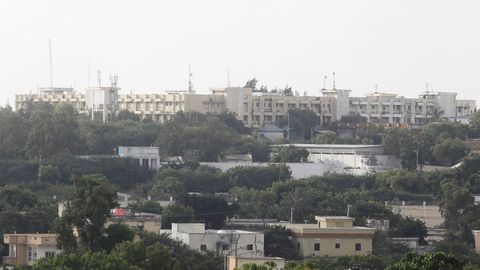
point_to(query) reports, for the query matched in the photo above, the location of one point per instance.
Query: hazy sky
(399, 45)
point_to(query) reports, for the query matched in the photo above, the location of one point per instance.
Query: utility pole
(39, 166)
(348, 210)
(288, 125)
(466, 144)
(51, 69)
(291, 215)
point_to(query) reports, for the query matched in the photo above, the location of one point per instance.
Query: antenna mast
(333, 80)
(190, 74)
(51, 69)
(228, 78)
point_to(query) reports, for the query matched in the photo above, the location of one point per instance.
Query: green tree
(301, 123)
(126, 115)
(177, 213)
(116, 233)
(449, 151)
(166, 187)
(278, 244)
(211, 209)
(13, 134)
(257, 177)
(291, 153)
(408, 227)
(87, 211)
(146, 206)
(160, 258)
(436, 260)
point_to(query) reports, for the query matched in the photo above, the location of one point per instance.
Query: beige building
(332, 236)
(161, 107)
(54, 96)
(234, 262)
(391, 108)
(140, 222)
(26, 249)
(258, 109)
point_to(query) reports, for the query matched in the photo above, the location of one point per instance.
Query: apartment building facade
(257, 109)
(391, 108)
(332, 236)
(53, 96)
(26, 249)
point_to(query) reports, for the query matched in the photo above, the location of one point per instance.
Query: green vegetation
(202, 194)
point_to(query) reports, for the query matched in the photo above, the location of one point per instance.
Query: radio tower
(51, 69)
(190, 84)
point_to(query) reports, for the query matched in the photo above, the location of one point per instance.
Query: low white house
(222, 242)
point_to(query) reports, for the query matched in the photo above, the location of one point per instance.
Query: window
(316, 246)
(203, 247)
(224, 247)
(13, 251)
(358, 247)
(49, 254)
(32, 254)
(250, 247)
(337, 245)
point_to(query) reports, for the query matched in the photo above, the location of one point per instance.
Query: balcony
(10, 260)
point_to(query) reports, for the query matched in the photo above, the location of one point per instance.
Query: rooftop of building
(270, 128)
(329, 146)
(316, 227)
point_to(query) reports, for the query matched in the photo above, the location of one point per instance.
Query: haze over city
(397, 45)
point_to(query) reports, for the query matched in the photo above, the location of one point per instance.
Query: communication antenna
(376, 88)
(324, 82)
(333, 80)
(426, 86)
(99, 78)
(228, 78)
(89, 64)
(113, 80)
(51, 69)
(190, 74)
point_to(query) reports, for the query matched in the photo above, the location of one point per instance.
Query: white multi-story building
(391, 108)
(53, 96)
(257, 109)
(222, 242)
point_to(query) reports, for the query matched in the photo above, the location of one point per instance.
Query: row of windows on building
(203, 247)
(316, 246)
(32, 254)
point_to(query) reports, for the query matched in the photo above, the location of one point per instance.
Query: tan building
(235, 262)
(26, 249)
(161, 107)
(54, 96)
(140, 222)
(258, 109)
(332, 236)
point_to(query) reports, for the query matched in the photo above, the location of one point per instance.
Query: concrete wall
(430, 214)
